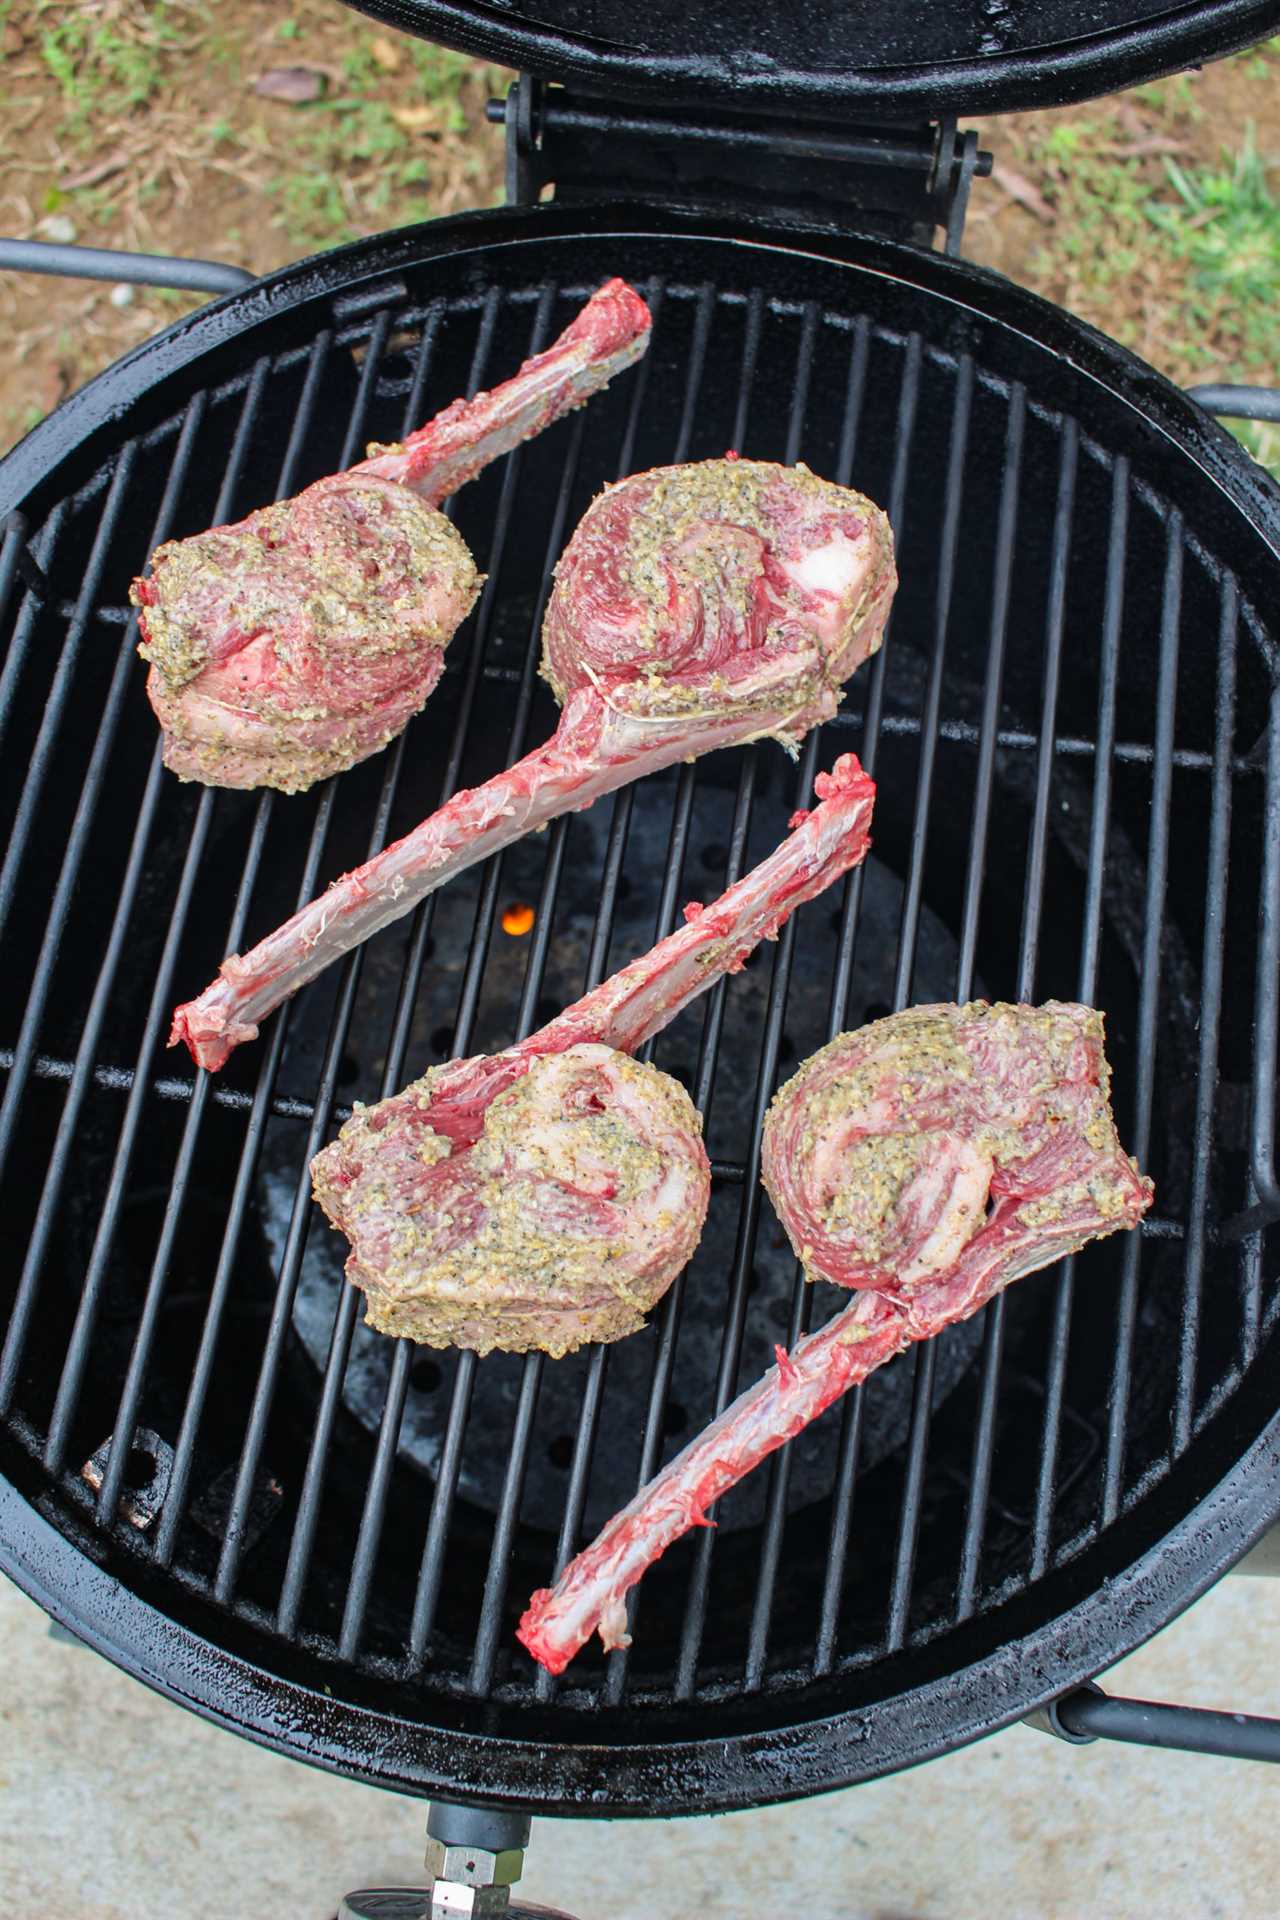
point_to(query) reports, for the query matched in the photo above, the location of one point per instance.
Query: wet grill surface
(1076, 741)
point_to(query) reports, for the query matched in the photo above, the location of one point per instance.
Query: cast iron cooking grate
(1076, 737)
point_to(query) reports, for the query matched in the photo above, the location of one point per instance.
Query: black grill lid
(822, 56)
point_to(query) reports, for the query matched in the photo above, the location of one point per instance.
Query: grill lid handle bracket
(906, 179)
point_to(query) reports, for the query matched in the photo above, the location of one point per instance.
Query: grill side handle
(1087, 1714)
(141, 269)
(1238, 403)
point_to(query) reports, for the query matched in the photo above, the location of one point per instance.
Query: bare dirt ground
(257, 132)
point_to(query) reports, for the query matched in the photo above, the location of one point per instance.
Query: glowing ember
(518, 919)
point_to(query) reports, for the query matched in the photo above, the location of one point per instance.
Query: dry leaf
(91, 176)
(297, 86)
(1019, 188)
(420, 119)
(388, 53)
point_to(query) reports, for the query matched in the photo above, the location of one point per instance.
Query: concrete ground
(116, 1805)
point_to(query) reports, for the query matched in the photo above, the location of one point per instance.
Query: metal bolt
(449, 1901)
(470, 1883)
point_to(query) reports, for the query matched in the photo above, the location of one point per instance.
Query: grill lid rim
(1083, 68)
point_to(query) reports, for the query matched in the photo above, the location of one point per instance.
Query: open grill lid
(873, 57)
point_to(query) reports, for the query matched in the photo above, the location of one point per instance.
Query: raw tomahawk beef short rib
(695, 607)
(548, 1195)
(303, 639)
(925, 1161)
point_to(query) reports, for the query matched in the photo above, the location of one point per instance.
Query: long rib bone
(696, 607)
(291, 645)
(927, 1161)
(468, 1222)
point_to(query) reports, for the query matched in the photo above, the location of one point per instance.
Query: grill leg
(475, 1855)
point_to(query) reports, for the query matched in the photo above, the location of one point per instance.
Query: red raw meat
(926, 1161)
(301, 640)
(695, 607)
(548, 1195)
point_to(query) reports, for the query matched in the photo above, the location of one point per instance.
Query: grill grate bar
(775, 1519)
(234, 1539)
(174, 1506)
(81, 1072)
(750, 355)
(849, 1447)
(50, 725)
(673, 874)
(843, 1489)
(15, 538)
(364, 391)
(504, 1527)
(96, 1275)
(1018, 740)
(913, 892)
(431, 1570)
(803, 1298)
(306, 1517)
(735, 1313)
(926, 1352)
(846, 1477)
(1265, 1182)
(672, 1305)
(1148, 1007)
(499, 1564)
(1211, 966)
(131, 1392)
(374, 1512)
(927, 726)
(1033, 902)
(29, 805)
(731, 1346)
(545, 1684)
(158, 1010)
(15, 658)
(313, 1480)
(348, 1299)
(1064, 1300)
(1260, 1187)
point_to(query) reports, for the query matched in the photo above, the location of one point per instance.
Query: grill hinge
(910, 181)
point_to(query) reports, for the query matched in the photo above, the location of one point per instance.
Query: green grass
(1212, 232)
(355, 132)
(1224, 227)
(99, 68)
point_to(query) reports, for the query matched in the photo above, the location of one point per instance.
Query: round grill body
(212, 1472)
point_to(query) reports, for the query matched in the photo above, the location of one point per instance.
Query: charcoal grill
(322, 1538)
